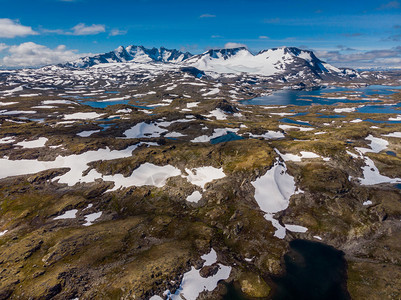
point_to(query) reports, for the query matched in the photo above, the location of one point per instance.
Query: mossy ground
(148, 237)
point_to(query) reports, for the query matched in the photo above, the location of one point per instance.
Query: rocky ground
(124, 201)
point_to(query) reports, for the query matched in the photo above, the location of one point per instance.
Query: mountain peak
(131, 53)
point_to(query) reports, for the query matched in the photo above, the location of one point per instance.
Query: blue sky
(345, 33)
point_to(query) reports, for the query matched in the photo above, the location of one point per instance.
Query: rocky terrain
(153, 180)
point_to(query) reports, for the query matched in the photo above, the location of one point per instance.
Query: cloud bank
(11, 29)
(30, 54)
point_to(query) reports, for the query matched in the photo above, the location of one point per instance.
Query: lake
(314, 271)
(317, 96)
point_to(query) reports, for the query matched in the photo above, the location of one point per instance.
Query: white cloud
(234, 45)
(207, 16)
(3, 46)
(82, 29)
(363, 59)
(30, 54)
(263, 37)
(10, 29)
(115, 32)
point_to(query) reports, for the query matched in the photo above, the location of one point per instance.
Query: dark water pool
(391, 153)
(306, 98)
(314, 271)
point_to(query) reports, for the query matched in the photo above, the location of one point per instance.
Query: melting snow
(284, 127)
(398, 118)
(87, 133)
(7, 140)
(91, 218)
(273, 192)
(269, 135)
(212, 92)
(82, 116)
(377, 145)
(394, 134)
(218, 114)
(69, 214)
(202, 175)
(192, 104)
(345, 109)
(40, 142)
(146, 174)
(304, 155)
(193, 283)
(194, 197)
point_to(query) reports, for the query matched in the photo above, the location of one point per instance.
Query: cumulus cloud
(359, 59)
(82, 29)
(207, 16)
(10, 29)
(234, 45)
(30, 54)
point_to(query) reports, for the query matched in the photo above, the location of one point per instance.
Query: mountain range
(283, 61)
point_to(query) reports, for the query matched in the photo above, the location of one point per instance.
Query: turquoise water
(306, 98)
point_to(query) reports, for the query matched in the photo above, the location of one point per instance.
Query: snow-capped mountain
(285, 60)
(284, 64)
(131, 53)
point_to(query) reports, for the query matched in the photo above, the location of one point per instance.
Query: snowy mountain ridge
(138, 54)
(266, 62)
(286, 61)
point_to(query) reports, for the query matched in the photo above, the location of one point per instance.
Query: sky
(358, 34)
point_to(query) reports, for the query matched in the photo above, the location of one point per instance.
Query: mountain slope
(284, 60)
(131, 53)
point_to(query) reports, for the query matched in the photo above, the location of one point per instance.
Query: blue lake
(290, 121)
(382, 122)
(306, 98)
(104, 104)
(109, 119)
(230, 136)
(380, 109)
